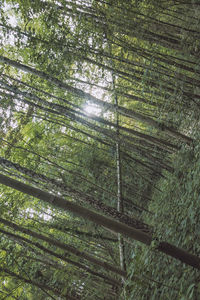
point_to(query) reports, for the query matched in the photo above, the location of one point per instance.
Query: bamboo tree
(117, 227)
(66, 153)
(120, 204)
(108, 210)
(21, 240)
(126, 112)
(40, 286)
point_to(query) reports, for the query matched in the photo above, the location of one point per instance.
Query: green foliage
(143, 54)
(175, 220)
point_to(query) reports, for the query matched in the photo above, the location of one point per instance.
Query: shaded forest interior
(100, 149)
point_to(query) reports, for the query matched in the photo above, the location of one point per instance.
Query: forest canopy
(99, 159)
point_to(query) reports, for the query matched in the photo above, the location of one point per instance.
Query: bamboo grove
(93, 99)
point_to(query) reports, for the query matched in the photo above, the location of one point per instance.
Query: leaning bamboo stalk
(98, 219)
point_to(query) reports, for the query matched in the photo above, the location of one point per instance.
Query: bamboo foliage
(90, 89)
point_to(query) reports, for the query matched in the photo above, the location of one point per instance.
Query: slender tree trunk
(80, 196)
(77, 232)
(20, 240)
(127, 112)
(107, 279)
(143, 139)
(76, 209)
(120, 204)
(63, 246)
(36, 284)
(113, 225)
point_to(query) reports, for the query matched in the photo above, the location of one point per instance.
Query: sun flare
(92, 109)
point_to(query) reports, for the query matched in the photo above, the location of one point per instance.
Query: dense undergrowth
(176, 219)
